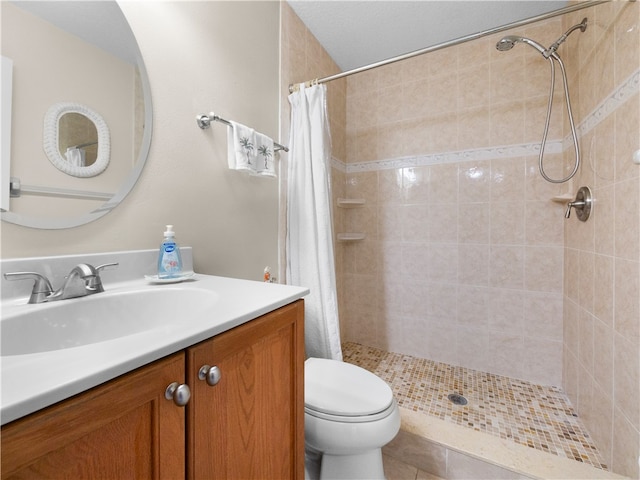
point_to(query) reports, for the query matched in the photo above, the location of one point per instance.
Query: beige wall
(200, 57)
(601, 268)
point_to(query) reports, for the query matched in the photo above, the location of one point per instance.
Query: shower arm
(554, 46)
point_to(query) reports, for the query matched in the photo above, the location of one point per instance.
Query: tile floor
(396, 470)
(533, 415)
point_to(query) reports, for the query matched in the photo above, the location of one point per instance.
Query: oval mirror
(76, 140)
(79, 84)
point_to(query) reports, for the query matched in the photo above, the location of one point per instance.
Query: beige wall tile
(626, 444)
(473, 264)
(474, 127)
(506, 311)
(541, 223)
(585, 342)
(603, 289)
(415, 184)
(627, 40)
(471, 254)
(627, 379)
(626, 224)
(540, 360)
(507, 123)
(543, 315)
(604, 215)
(626, 303)
(443, 223)
(600, 426)
(473, 306)
(474, 182)
(598, 157)
(507, 267)
(507, 222)
(444, 184)
(507, 177)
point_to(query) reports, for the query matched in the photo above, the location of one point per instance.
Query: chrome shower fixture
(507, 43)
(554, 46)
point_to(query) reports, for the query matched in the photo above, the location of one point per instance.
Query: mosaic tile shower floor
(533, 415)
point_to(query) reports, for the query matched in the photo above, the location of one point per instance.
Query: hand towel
(265, 161)
(75, 156)
(241, 148)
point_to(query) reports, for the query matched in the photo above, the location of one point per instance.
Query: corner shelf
(563, 198)
(350, 237)
(350, 202)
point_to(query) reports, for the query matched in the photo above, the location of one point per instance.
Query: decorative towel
(265, 164)
(75, 156)
(241, 148)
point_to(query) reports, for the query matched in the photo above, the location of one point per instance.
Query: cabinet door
(122, 429)
(250, 424)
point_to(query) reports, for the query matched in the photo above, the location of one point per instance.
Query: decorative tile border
(625, 91)
(505, 151)
(609, 105)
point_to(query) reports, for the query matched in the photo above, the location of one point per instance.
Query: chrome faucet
(84, 279)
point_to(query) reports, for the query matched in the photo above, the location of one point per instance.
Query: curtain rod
(451, 43)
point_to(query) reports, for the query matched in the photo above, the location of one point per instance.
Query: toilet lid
(339, 388)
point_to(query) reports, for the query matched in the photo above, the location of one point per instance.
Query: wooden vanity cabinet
(123, 429)
(249, 425)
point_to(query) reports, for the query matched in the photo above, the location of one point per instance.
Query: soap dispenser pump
(169, 259)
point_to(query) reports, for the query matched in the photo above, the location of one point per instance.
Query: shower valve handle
(582, 203)
(579, 204)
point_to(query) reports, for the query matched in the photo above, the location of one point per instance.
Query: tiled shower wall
(462, 262)
(602, 275)
(493, 294)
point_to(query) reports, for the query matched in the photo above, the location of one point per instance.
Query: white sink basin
(27, 329)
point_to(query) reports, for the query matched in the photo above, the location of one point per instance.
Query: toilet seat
(342, 392)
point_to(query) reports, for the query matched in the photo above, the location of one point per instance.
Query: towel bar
(204, 121)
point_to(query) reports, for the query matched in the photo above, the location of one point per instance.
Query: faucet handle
(41, 287)
(95, 282)
(107, 266)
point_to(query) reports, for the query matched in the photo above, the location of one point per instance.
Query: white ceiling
(359, 32)
(100, 23)
(354, 32)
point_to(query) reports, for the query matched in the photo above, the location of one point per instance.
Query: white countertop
(31, 382)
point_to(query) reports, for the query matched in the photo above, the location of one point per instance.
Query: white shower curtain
(309, 244)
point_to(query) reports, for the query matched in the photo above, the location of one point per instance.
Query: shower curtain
(309, 239)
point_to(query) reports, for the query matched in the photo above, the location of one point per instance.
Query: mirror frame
(52, 134)
(127, 184)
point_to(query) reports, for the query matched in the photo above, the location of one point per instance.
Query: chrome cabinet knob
(179, 393)
(211, 374)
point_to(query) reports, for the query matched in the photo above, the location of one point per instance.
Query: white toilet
(349, 415)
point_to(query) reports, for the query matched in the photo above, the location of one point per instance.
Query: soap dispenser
(169, 259)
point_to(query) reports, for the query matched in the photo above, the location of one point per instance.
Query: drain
(457, 399)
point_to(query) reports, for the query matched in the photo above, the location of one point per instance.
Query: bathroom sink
(27, 329)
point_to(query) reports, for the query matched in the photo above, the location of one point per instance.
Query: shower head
(508, 42)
